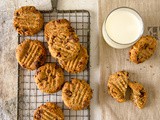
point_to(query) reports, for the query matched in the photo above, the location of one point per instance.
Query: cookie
(48, 111)
(143, 49)
(28, 20)
(77, 64)
(49, 78)
(138, 95)
(63, 42)
(117, 85)
(54, 27)
(76, 94)
(31, 54)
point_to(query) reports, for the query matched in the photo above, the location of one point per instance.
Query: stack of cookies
(64, 46)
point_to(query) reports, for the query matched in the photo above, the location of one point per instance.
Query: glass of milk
(122, 27)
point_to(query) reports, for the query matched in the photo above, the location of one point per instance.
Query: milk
(122, 28)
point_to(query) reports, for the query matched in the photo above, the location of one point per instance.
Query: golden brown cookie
(48, 111)
(54, 27)
(31, 54)
(63, 42)
(138, 95)
(143, 49)
(76, 94)
(49, 78)
(77, 64)
(117, 85)
(28, 20)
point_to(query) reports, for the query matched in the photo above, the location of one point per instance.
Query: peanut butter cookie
(63, 42)
(31, 54)
(54, 27)
(48, 111)
(28, 20)
(143, 49)
(49, 78)
(138, 95)
(77, 64)
(117, 85)
(76, 94)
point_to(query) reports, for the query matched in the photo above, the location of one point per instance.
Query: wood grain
(147, 73)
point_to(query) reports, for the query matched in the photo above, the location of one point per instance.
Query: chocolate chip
(37, 64)
(41, 57)
(67, 41)
(17, 14)
(46, 78)
(58, 88)
(68, 48)
(129, 53)
(58, 21)
(85, 103)
(38, 116)
(24, 29)
(68, 93)
(48, 71)
(25, 56)
(64, 36)
(58, 54)
(61, 41)
(108, 87)
(77, 40)
(127, 74)
(16, 27)
(53, 37)
(71, 30)
(24, 65)
(51, 44)
(145, 46)
(53, 76)
(40, 84)
(142, 93)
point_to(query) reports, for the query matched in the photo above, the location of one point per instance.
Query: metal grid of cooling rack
(29, 97)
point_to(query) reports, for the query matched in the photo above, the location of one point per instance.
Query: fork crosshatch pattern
(29, 96)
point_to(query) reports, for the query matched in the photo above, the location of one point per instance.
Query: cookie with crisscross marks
(63, 42)
(138, 94)
(143, 49)
(117, 85)
(28, 20)
(54, 27)
(48, 111)
(76, 94)
(49, 78)
(77, 64)
(31, 54)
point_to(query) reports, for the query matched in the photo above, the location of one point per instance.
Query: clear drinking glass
(130, 22)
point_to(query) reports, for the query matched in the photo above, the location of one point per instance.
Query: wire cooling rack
(29, 97)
